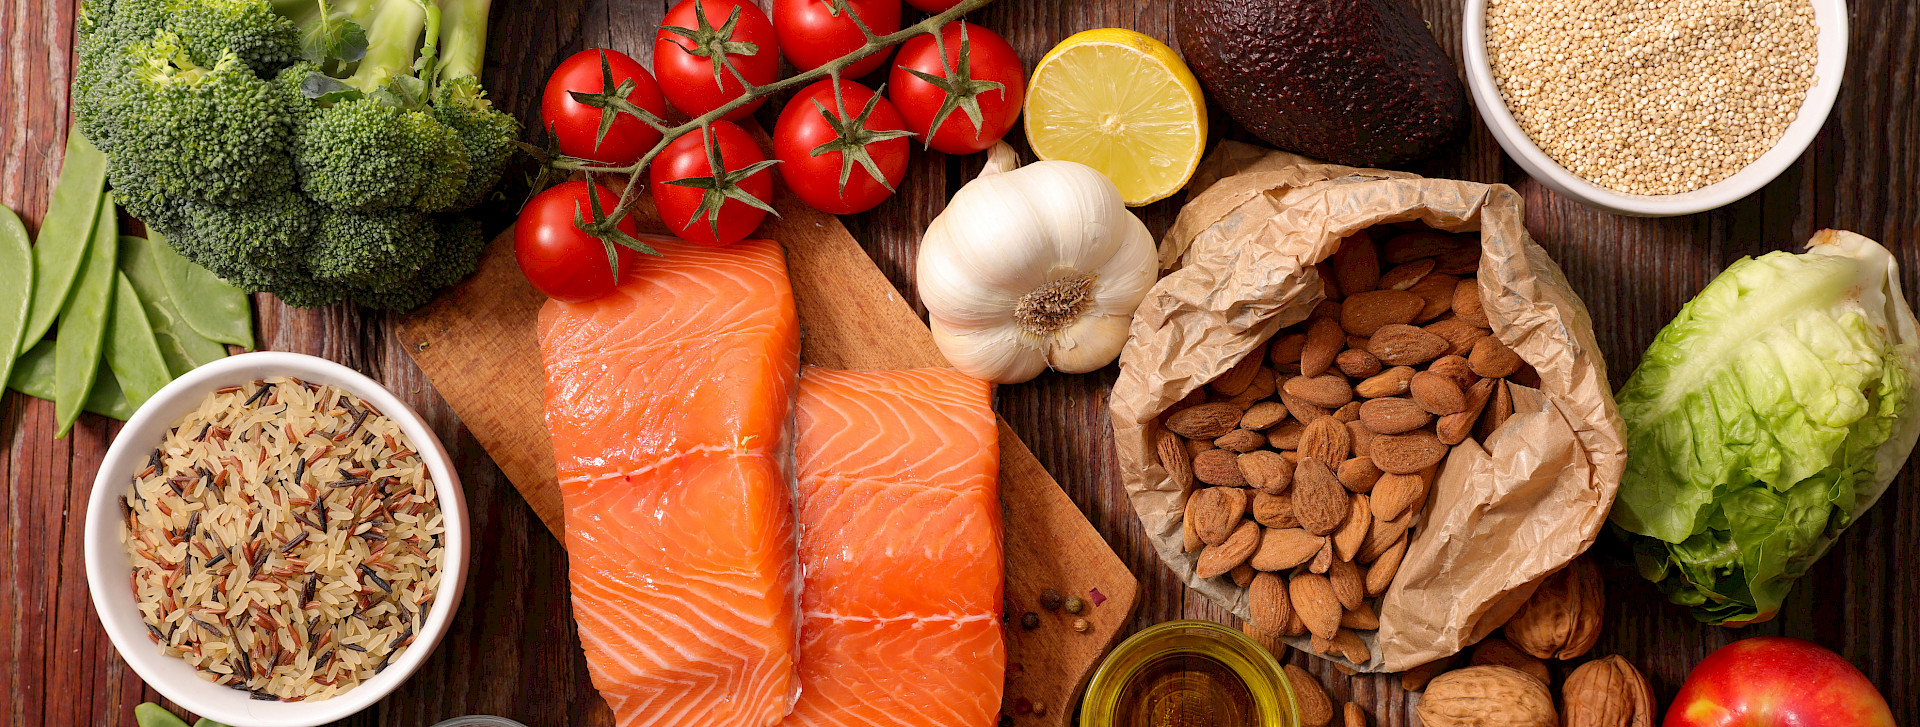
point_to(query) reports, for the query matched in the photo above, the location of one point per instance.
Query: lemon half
(1123, 103)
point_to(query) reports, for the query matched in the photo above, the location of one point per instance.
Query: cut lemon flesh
(1123, 103)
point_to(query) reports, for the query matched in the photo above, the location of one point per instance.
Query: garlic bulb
(1034, 267)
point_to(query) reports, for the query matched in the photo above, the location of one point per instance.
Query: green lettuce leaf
(1764, 419)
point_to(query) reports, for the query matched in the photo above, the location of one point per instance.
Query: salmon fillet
(901, 547)
(668, 402)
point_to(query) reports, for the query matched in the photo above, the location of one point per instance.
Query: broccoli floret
(314, 149)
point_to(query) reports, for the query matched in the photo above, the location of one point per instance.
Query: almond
(1263, 415)
(1241, 440)
(1422, 244)
(1415, 679)
(1408, 453)
(1350, 647)
(1174, 459)
(1468, 305)
(1242, 575)
(1496, 651)
(1356, 363)
(1217, 560)
(1391, 382)
(1322, 560)
(1395, 494)
(1380, 574)
(1295, 627)
(1454, 428)
(1437, 290)
(1218, 467)
(1217, 512)
(1456, 369)
(1329, 308)
(1284, 548)
(1274, 511)
(1287, 435)
(1348, 412)
(1437, 394)
(1492, 358)
(1318, 499)
(1382, 536)
(1358, 474)
(1196, 446)
(1352, 715)
(1205, 421)
(1328, 390)
(1353, 532)
(1362, 438)
(1406, 276)
(1190, 538)
(1268, 600)
(1393, 415)
(1324, 341)
(1301, 409)
(1236, 379)
(1362, 617)
(1326, 440)
(1261, 388)
(1497, 412)
(1314, 599)
(1316, 710)
(1349, 587)
(1356, 265)
(1356, 343)
(1465, 261)
(1286, 349)
(1404, 345)
(1266, 471)
(1329, 284)
(1365, 313)
(1460, 336)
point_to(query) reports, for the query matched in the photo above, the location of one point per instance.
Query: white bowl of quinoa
(275, 540)
(1655, 108)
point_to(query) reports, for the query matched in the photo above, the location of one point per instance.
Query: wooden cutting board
(477, 344)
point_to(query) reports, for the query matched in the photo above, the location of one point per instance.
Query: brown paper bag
(1502, 513)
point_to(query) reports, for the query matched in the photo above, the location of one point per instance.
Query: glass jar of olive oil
(1189, 674)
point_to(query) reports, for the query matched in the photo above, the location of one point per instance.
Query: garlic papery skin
(1034, 267)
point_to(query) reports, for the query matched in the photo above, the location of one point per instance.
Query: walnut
(1486, 696)
(1562, 619)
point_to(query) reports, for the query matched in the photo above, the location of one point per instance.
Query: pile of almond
(1311, 462)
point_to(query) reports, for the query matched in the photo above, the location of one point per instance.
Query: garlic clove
(1000, 354)
(1090, 342)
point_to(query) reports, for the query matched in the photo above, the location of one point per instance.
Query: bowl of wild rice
(275, 540)
(1655, 107)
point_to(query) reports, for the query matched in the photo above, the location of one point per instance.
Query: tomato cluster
(840, 147)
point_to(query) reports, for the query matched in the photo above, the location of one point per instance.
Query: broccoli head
(320, 150)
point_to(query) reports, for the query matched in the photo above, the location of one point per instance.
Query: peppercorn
(1029, 620)
(1075, 604)
(1050, 600)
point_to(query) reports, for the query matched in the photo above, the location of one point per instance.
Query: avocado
(1356, 82)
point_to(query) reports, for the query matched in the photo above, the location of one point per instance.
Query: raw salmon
(668, 401)
(900, 544)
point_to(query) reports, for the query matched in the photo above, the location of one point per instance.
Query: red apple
(1774, 681)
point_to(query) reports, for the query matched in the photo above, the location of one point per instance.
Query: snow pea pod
(208, 304)
(83, 322)
(132, 353)
(34, 377)
(149, 714)
(16, 288)
(183, 347)
(65, 232)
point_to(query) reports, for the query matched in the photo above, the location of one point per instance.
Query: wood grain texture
(513, 651)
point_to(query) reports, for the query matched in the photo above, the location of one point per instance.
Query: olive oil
(1186, 690)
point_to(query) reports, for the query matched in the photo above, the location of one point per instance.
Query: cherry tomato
(934, 7)
(689, 211)
(816, 179)
(559, 258)
(687, 79)
(814, 32)
(577, 125)
(988, 59)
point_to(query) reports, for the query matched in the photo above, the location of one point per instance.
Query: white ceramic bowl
(1829, 69)
(108, 564)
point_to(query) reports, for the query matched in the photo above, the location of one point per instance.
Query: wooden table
(512, 650)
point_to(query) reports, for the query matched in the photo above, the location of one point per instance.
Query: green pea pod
(34, 377)
(65, 232)
(183, 347)
(149, 714)
(208, 304)
(16, 288)
(83, 323)
(132, 351)
(204, 722)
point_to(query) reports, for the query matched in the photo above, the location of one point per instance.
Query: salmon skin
(668, 401)
(901, 547)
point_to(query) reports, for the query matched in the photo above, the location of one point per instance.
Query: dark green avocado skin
(1356, 82)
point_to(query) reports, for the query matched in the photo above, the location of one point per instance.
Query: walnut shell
(1607, 692)
(1562, 619)
(1486, 696)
